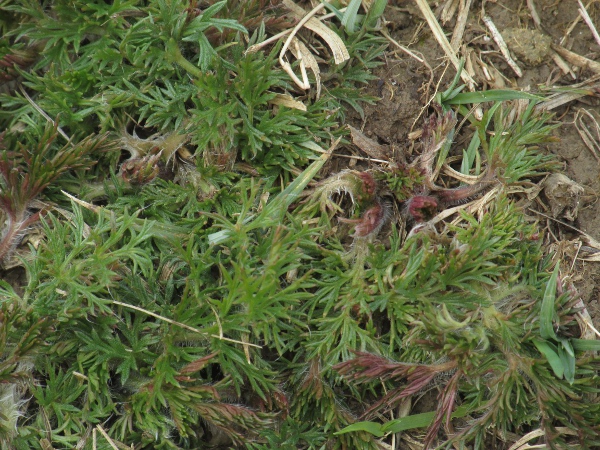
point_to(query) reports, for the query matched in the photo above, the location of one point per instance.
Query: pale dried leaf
(578, 60)
(469, 179)
(590, 139)
(367, 145)
(300, 51)
(443, 41)
(288, 101)
(333, 41)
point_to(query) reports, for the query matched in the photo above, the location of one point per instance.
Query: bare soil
(403, 89)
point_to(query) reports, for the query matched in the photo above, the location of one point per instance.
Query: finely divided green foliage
(233, 118)
(156, 65)
(212, 309)
(508, 145)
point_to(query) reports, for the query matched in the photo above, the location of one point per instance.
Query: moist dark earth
(404, 89)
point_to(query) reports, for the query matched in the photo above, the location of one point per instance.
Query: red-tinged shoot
(366, 188)
(422, 207)
(463, 194)
(371, 221)
(11, 63)
(141, 171)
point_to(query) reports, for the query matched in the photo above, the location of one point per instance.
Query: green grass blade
(494, 95)
(275, 210)
(405, 423)
(584, 345)
(548, 310)
(567, 357)
(375, 12)
(418, 420)
(551, 355)
(373, 428)
(349, 19)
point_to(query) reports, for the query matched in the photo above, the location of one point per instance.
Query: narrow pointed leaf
(548, 310)
(494, 95)
(373, 428)
(585, 345)
(551, 355)
(568, 361)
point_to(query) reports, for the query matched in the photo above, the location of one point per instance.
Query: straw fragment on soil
(443, 41)
(588, 21)
(368, 145)
(578, 60)
(567, 94)
(461, 23)
(591, 140)
(499, 40)
(522, 443)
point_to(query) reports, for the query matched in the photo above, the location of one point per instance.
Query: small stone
(563, 196)
(530, 46)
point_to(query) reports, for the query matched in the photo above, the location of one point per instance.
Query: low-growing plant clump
(187, 271)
